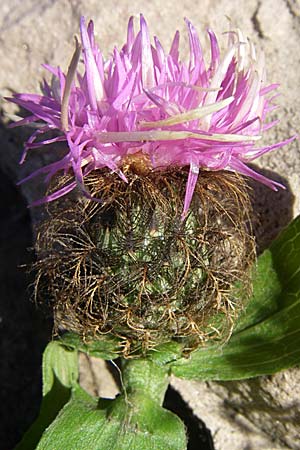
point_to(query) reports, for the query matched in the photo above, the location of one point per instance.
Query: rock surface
(261, 413)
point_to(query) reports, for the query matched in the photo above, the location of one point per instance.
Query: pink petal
(94, 83)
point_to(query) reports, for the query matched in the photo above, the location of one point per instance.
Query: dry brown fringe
(129, 266)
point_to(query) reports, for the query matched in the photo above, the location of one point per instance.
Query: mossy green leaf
(267, 336)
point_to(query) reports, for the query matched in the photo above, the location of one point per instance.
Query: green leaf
(59, 363)
(70, 419)
(85, 423)
(106, 347)
(134, 420)
(267, 337)
(60, 374)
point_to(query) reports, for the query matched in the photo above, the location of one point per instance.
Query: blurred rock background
(260, 413)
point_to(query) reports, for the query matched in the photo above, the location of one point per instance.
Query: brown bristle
(131, 267)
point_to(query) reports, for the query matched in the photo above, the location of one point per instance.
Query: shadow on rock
(273, 210)
(199, 437)
(24, 330)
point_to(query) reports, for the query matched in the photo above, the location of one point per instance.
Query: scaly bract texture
(131, 267)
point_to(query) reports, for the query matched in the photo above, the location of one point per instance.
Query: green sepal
(267, 336)
(166, 353)
(105, 346)
(60, 374)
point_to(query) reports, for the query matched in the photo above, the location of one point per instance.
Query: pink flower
(147, 101)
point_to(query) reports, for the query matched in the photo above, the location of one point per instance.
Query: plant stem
(143, 376)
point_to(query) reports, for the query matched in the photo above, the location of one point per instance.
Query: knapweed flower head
(162, 145)
(143, 107)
